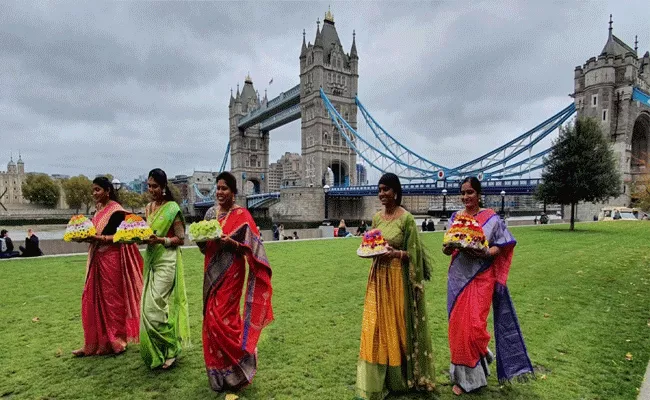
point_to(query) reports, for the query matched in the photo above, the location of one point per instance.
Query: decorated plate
(373, 254)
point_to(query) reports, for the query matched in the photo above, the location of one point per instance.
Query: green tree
(133, 200)
(176, 192)
(641, 192)
(41, 189)
(78, 192)
(581, 167)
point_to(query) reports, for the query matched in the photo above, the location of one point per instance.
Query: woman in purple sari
(477, 280)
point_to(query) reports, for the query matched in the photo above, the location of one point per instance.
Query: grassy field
(582, 299)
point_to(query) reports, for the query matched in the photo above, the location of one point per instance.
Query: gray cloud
(124, 87)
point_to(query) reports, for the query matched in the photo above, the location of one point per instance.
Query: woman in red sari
(110, 304)
(230, 341)
(476, 281)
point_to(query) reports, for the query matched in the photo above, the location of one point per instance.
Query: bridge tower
(249, 149)
(603, 90)
(325, 64)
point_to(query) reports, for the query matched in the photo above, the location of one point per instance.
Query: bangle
(168, 242)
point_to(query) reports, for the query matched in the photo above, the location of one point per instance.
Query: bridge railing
(289, 113)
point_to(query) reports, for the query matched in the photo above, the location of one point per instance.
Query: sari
(230, 341)
(474, 284)
(164, 326)
(110, 312)
(396, 353)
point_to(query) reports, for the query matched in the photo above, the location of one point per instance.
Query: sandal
(169, 363)
(457, 390)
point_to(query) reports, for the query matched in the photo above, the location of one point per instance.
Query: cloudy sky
(123, 87)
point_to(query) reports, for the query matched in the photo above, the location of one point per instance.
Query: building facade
(11, 182)
(603, 90)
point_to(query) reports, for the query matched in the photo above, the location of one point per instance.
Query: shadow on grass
(578, 231)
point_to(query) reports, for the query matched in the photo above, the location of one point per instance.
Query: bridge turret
(232, 100)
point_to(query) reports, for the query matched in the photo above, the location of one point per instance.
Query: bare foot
(457, 390)
(78, 353)
(169, 363)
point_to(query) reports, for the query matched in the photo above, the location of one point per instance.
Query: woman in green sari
(164, 323)
(396, 354)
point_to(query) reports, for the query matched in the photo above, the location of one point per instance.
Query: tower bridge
(612, 88)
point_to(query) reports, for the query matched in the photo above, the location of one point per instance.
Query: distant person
(276, 232)
(343, 231)
(295, 235)
(595, 217)
(617, 215)
(362, 228)
(645, 217)
(535, 220)
(424, 225)
(431, 226)
(281, 231)
(543, 219)
(7, 246)
(31, 248)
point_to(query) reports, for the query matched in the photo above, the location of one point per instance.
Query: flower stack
(372, 244)
(132, 230)
(79, 228)
(203, 231)
(467, 233)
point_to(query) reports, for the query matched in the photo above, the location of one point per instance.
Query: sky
(124, 87)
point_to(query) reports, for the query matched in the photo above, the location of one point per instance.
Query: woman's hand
(447, 249)
(229, 243)
(482, 253)
(392, 253)
(153, 239)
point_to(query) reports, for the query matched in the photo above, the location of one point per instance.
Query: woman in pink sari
(110, 304)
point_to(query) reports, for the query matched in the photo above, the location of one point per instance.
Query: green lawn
(582, 298)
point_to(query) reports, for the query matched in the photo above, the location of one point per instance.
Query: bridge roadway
(512, 187)
(271, 115)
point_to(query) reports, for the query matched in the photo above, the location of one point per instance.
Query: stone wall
(299, 204)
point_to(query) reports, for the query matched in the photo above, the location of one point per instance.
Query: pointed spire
(318, 42)
(303, 50)
(353, 51)
(20, 158)
(237, 97)
(248, 78)
(610, 25)
(636, 43)
(232, 99)
(265, 98)
(329, 17)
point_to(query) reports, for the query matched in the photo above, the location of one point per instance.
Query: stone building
(325, 64)
(11, 183)
(603, 90)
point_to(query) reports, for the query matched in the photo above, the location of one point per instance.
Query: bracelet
(168, 242)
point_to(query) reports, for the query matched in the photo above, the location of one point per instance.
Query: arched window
(641, 143)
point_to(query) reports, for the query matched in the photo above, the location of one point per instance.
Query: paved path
(644, 394)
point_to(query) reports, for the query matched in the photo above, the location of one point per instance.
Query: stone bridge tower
(249, 149)
(325, 64)
(603, 90)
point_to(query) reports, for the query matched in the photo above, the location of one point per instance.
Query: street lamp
(116, 184)
(326, 189)
(444, 204)
(503, 203)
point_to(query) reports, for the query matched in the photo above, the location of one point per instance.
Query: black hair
(3, 233)
(476, 185)
(230, 180)
(105, 184)
(160, 177)
(392, 181)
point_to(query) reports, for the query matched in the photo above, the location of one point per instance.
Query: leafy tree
(78, 192)
(581, 167)
(176, 192)
(133, 200)
(641, 192)
(41, 189)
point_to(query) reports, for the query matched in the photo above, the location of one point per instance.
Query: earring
(395, 197)
(165, 192)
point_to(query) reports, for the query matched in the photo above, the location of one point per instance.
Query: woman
(230, 342)
(165, 324)
(110, 312)
(342, 230)
(396, 350)
(475, 279)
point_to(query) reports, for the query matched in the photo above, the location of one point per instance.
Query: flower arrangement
(78, 229)
(203, 231)
(466, 232)
(132, 230)
(372, 244)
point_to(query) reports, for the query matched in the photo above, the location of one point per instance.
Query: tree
(641, 192)
(133, 200)
(176, 192)
(580, 167)
(41, 189)
(78, 192)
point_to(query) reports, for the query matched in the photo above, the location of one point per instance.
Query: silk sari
(164, 326)
(396, 353)
(474, 284)
(110, 304)
(230, 339)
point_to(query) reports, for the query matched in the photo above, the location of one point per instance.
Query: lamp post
(116, 184)
(444, 205)
(503, 203)
(326, 189)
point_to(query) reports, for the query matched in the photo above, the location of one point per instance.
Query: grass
(582, 299)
